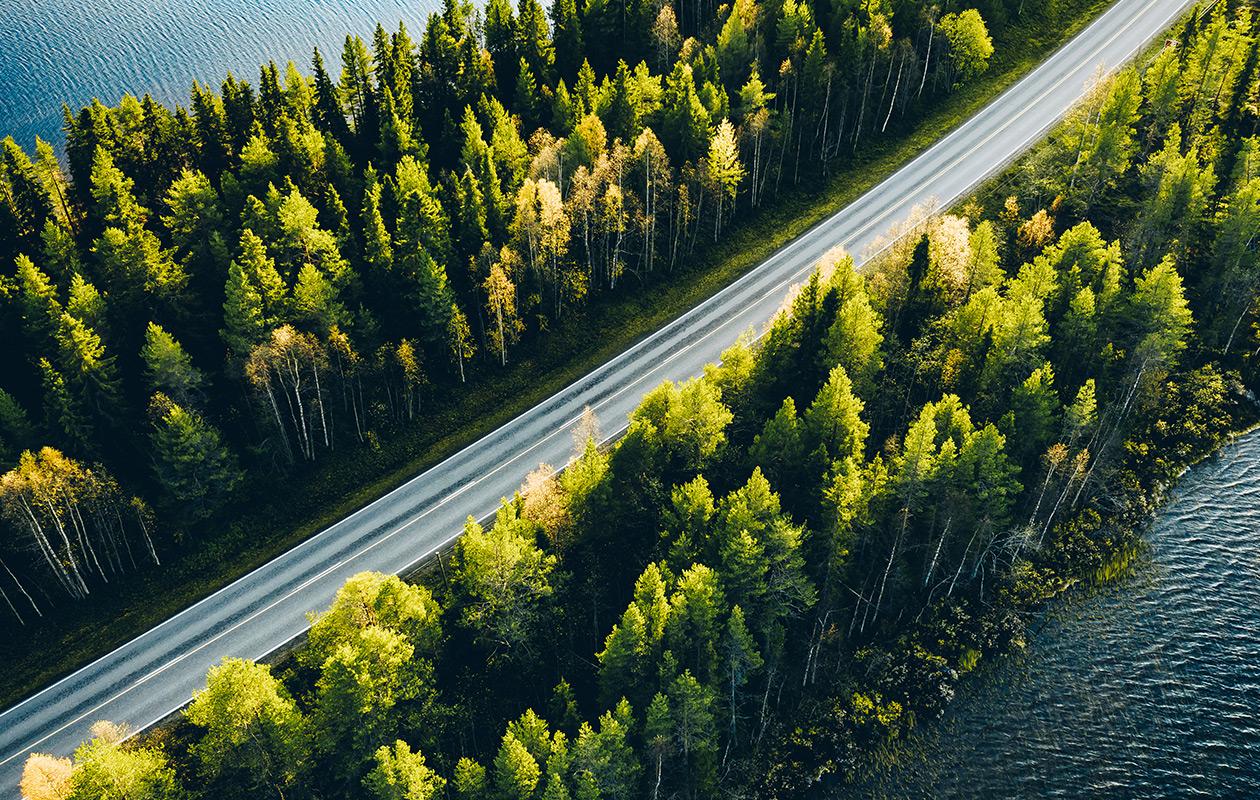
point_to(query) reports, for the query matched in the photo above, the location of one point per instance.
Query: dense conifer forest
(205, 301)
(794, 559)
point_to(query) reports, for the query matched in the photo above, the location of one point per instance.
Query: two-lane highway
(155, 674)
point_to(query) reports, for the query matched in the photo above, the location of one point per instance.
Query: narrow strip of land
(146, 679)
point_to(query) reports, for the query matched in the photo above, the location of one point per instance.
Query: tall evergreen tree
(190, 460)
(168, 368)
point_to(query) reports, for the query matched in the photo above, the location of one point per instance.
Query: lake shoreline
(1133, 565)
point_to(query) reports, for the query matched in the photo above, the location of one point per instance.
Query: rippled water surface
(1149, 688)
(54, 51)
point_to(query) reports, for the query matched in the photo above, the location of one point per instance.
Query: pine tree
(31, 205)
(139, 272)
(622, 117)
(63, 412)
(378, 251)
(422, 247)
(533, 39)
(626, 649)
(1080, 417)
(190, 460)
(516, 772)
(853, 341)
(1182, 189)
(61, 254)
(113, 193)
(740, 659)
(402, 73)
(55, 184)
(687, 525)
(271, 108)
(358, 92)
(1034, 420)
(469, 780)
(1237, 231)
(1159, 302)
(658, 738)
(756, 536)
(566, 29)
(734, 44)
(246, 311)
(555, 788)
(396, 137)
(833, 421)
(301, 241)
(260, 166)
(195, 220)
(90, 372)
(168, 369)
(984, 268)
(470, 233)
(603, 760)
(238, 111)
(1106, 146)
(779, 449)
(329, 115)
(509, 150)
(315, 301)
(525, 96)
(16, 431)
(40, 308)
(500, 35)
(685, 120)
(694, 627)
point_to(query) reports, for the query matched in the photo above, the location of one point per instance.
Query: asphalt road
(147, 679)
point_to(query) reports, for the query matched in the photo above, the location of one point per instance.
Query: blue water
(1147, 688)
(55, 51)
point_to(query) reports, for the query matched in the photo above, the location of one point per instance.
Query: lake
(1148, 687)
(55, 51)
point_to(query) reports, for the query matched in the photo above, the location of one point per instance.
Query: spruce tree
(39, 306)
(85, 303)
(29, 199)
(190, 460)
(245, 317)
(168, 368)
(566, 29)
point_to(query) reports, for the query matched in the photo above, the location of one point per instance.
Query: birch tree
(288, 372)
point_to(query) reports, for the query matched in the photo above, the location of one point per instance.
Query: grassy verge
(292, 511)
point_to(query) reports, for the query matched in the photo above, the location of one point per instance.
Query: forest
(207, 301)
(791, 561)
